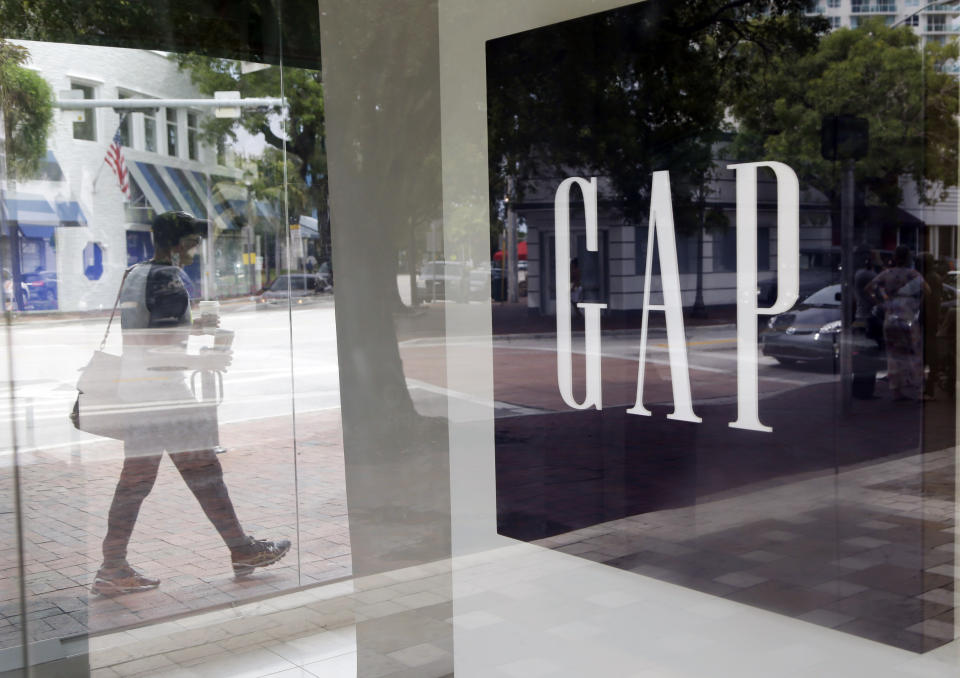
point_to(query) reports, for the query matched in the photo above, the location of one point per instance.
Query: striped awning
(36, 216)
(169, 188)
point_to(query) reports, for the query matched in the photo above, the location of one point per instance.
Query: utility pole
(513, 285)
(846, 138)
(847, 196)
(699, 309)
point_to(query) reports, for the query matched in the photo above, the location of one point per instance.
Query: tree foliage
(303, 90)
(627, 92)
(303, 135)
(252, 30)
(27, 103)
(874, 72)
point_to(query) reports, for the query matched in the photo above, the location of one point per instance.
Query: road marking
(703, 343)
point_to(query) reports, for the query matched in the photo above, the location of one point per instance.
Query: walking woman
(901, 291)
(166, 416)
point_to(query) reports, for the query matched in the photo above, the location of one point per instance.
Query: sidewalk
(567, 471)
(65, 509)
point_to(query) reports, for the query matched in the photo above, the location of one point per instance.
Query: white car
(438, 279)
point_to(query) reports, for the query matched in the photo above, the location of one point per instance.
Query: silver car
(293, 289)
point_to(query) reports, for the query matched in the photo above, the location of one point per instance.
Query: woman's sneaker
(117, 580)
(257, 553)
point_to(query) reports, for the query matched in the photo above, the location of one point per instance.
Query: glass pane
(86, 128)
(709, 422)
(181, 485)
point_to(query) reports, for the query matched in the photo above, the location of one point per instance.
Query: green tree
(873, 71)
(627, 92)
(27, 104)
(302, 137)
(265, 183)
(252, 30)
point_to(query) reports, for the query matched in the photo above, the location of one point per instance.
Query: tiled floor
(523, 611)
(518, 611)
(387, 625)
(878, 562)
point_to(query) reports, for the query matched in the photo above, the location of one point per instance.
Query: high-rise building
(931, 20)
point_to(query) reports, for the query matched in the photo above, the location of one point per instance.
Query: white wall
(89, 179)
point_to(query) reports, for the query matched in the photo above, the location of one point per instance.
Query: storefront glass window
(635, 355)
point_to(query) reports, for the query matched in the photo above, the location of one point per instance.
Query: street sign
(227, 111)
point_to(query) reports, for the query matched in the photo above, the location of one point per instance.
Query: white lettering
(788, 276)
(591, 311)
(661, 230)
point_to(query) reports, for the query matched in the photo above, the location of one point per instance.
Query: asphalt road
(274, 358)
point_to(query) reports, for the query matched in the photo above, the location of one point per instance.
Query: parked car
(811, 332)
(40, 290)
(295, 288)
(440, 279)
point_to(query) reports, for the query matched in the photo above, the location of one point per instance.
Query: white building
(76, 222)
(615, 273)
(931, 20)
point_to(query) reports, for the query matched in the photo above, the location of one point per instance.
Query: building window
(86, 128)
(936, 23)
(172, 132)
(137, 197)
(686, 252)
(834, 21)
(126, 124)
(833, 4)
(222, 150)
(725, 250)
(150, 131)
(139, 247)
(192, 150)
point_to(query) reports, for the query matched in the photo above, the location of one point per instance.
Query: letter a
(591, 311)
(661, 224)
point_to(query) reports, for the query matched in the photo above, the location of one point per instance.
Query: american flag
(114, 158)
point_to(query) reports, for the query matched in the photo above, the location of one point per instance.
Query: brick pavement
(860, 551)
(65, 500)
(65, 504)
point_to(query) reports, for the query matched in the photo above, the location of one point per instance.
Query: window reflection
(832, 510)
(202, 398)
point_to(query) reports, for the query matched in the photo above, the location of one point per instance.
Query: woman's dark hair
(902, 256)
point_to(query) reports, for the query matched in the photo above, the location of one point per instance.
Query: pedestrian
(867, 327)
(156, 323)
(864, 272)
(900, 289)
